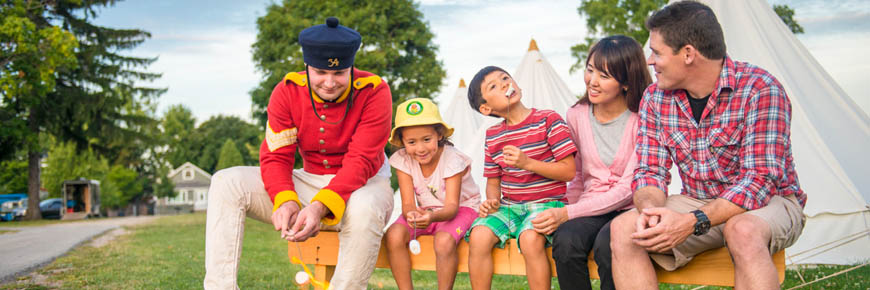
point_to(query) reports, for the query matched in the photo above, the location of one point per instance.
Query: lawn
(168, 254)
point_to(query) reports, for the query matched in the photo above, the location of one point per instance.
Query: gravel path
(26, 248)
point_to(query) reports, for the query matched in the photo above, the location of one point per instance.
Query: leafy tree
(163, 187)
(609, 17)
(64, 162)
(628, 17)
(396, 44)
(13, 175)
(787, 15)
(122, 184)
(178, 126)
(230, 156)
(204, 141)
(32, 50)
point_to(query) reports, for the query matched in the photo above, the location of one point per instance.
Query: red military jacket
(353, 149)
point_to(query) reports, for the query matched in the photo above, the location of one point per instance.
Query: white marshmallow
(414, 246)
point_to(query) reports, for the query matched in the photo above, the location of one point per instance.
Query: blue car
(51, 208)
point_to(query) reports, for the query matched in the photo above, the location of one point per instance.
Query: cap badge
(414, 108)
(333, 62)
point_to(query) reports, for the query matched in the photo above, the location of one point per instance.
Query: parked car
(50, 208)
(13, 209)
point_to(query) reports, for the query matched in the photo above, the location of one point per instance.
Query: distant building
(191, 186)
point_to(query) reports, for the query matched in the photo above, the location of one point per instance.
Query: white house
(191, 184)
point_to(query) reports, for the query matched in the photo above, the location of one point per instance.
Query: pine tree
(230, 156)
(73, 84)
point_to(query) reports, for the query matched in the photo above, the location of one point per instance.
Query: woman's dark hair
(689, 22)
(622, 58)
(475, 97)
(440, 129)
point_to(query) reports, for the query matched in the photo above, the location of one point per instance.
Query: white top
(430, 191)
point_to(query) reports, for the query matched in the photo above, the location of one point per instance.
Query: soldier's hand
(284, 217)
(308, 222)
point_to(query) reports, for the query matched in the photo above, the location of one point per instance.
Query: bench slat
(713, 267)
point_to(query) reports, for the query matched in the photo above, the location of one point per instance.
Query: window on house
(188, 174)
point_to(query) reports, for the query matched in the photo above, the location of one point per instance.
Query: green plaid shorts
(512, 219)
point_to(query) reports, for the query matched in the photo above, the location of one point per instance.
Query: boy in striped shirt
(529, 158)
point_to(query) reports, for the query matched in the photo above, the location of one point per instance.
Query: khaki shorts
(784, 215)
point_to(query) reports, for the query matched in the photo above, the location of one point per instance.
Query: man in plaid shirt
(726, 125)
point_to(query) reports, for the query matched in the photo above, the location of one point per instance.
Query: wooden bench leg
(323, 273)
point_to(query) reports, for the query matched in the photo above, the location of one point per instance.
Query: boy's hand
(515, 157)
(488, 206)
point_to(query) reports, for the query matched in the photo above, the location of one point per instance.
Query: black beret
(329, 46)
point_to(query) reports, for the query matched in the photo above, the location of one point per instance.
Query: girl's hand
(488, 206)
(412, 216)
(423, 219)
(515, 157)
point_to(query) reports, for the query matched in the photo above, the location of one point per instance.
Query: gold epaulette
(296, 78)
(360, 83)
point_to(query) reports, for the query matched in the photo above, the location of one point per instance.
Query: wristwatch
(702, 226)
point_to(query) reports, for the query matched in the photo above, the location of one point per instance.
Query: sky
(204, 47)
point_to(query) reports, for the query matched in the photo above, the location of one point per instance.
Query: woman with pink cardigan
(604, 128)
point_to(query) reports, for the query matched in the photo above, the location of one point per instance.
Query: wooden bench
(709, 268)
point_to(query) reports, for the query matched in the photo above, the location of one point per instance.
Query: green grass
(169, 254)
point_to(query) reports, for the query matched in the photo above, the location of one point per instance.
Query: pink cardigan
(596, 188)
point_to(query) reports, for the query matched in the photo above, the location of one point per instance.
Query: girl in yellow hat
(439, 197)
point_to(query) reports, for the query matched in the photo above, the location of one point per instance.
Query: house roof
(178, 170)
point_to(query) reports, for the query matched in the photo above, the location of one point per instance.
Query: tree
(230, 156)
(64, 162)
(206, 146)
(787, 15)
(95, 104)
(122, 184)
(13, 175)
(178, 125)
(628, 17)
(610, 17)
(396, 45)
(31, 52)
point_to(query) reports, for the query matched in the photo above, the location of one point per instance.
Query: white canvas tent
(542, 89)
(460, 116)
(830, 135)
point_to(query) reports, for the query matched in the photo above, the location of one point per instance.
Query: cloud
(209, 71)
(471, 37)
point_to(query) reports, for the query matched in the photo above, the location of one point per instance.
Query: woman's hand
(549, 220)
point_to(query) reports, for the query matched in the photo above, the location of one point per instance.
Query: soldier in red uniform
(338, 117)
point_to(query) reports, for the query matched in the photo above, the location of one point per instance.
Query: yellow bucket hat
(416, 112)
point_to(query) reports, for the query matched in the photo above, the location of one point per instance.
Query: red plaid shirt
(741, 149)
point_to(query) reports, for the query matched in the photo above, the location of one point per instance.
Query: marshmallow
(414, 246)
(301, 277)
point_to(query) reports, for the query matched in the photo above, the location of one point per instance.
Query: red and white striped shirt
(542, 136)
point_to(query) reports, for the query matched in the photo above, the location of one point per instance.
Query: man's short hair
(689, 23)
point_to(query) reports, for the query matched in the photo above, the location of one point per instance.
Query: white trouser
(239, 192)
